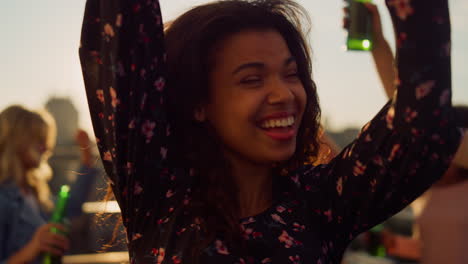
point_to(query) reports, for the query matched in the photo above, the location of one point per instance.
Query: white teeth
(282, 122)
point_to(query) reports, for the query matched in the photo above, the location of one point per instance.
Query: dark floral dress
(397, 156)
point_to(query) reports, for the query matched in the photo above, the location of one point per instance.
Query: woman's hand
(376, 21)
(43, 241)
(381, 52)
(83, 142)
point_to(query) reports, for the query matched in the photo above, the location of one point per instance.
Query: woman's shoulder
(9, 194)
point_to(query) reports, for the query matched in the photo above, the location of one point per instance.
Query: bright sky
(39, 57)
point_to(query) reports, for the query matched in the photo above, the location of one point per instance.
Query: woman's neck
(255, 187)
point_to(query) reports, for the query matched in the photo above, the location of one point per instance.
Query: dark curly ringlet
(191, 40)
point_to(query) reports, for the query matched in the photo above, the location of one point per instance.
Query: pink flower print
(402, 7)
(109, 30)
(329, 215)
(147, 130)
(278, 219)
(257, 234)
(159, 84)
(118, 20)
(444, 97)
(221, 248)
(389, 117)
(295, 259)
(373, 184)
(163, 153)
(286, 239)
(359, 168)
(100, 95)
(280, 209)
(248, 221)
(394, 152)
(368, 138)
(107, 156)
(115, 100)
(339, 186)
(169, 193)
(424, 89)
(176, 260)
(168, 130)
(136, 236)
(247, 232)
(410, 115)
(136, 8)
(402, 37)
(143, 101)
(298, 227)
(131, 125)
(181, 231)
(434, 157)
(161, 255)
(137, 189)
(416, 132)
(378, 160)
(295, 179)
(267, 260)
(143, 73)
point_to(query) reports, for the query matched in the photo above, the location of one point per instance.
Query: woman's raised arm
(407, 146)
(124, 69)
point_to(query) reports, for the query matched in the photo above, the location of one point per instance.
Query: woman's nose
(280, 92)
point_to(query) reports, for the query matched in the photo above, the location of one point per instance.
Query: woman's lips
(279, 126)
(285, 133)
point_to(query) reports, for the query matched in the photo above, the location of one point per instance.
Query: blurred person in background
(27, 139)
(439, 231)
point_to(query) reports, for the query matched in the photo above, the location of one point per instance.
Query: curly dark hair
(190, 43)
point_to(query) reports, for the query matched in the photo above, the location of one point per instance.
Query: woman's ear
(200, 114)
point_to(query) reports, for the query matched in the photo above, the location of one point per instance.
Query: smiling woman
(209, 145)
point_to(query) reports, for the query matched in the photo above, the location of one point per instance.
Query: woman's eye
(293, 75)
(251, 80)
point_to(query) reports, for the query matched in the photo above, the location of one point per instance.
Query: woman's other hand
(83, 142)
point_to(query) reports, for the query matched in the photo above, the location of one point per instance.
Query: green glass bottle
(58, 216)
(360, 26)
(376, 247)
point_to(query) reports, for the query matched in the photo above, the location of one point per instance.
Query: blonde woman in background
(27, 139)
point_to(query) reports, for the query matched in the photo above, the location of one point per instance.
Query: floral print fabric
(397, 156)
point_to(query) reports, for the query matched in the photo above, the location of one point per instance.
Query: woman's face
(257, 99)
(33, 154)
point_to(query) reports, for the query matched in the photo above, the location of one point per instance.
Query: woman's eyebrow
(261, 65)
(257, 65)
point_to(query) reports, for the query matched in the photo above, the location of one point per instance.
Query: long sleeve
(4, 234)
(406, 147)
(123, 62)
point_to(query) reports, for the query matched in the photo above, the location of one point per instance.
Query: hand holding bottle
(43, 241)
(381, 52)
